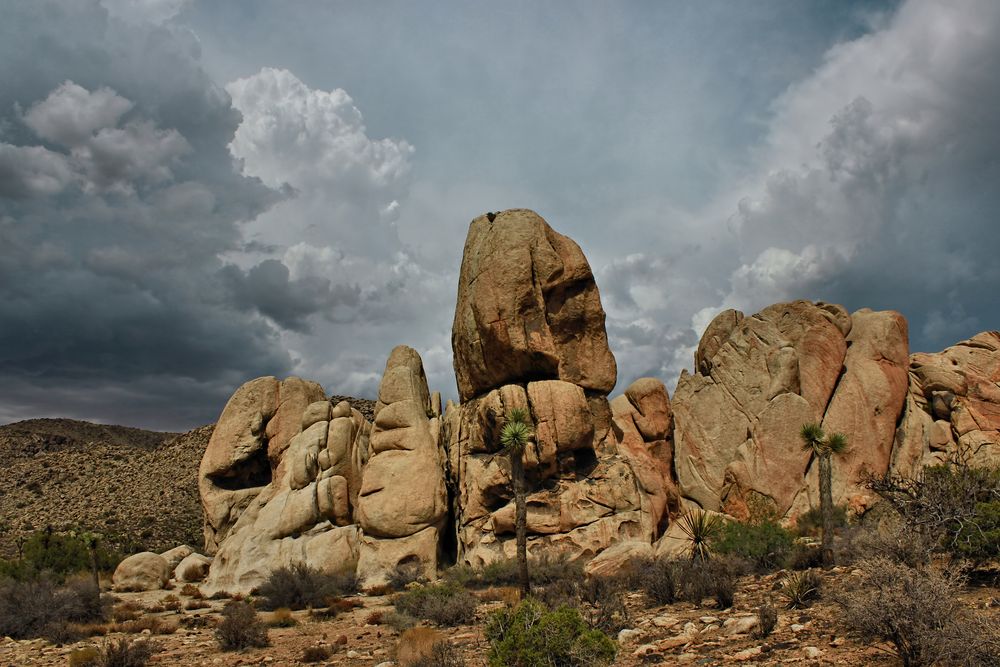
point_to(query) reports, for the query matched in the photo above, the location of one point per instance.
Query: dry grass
(416, 644)
(506, 594)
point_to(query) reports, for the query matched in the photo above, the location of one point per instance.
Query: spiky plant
(823, 448)
(800, 588)
(514, 435)
(700, 527)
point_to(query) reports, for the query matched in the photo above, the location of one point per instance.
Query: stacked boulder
(952, 409)
(529, 333)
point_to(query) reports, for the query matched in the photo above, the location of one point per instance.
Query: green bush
(444, 604)
(301, 587)
(542, 572)
(979, 539)
(528, 636)
(944, 504)
(59, 554)
(765, 544)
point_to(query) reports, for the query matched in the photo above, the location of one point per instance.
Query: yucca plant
(823, 448)
(700, 527)
(801, 588)
(514, 435)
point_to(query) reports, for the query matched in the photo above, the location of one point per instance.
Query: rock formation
(529, 333)
(952, 407)
(759, 379)
(528, 309)
(290, 476)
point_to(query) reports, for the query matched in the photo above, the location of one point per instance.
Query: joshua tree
(514, 436)
(823, 448)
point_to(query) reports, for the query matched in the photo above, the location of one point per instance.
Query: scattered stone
(811, 651)
(628, 634)
(748, 654)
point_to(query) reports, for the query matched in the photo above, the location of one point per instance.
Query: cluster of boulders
(289, 477)
(148, 571)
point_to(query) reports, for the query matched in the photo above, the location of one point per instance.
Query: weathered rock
(737, 419)
(643, 422)
(176, 555)
(868, 401)
(615, 559)
(528, 309)
(952, 406)
(252, 433)
(143, 571)
(194, 567)
(379, 558)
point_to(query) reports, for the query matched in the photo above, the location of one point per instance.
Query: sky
(195, 193)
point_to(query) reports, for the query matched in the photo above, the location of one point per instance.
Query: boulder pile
(291, 476)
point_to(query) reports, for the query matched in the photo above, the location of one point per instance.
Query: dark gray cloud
(119, 196)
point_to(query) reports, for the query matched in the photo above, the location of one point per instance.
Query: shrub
(192, 591)
(87, 656)
(60, 554)
(127, 611)
(767, 619)
(316, 654)
(606, 596)
(301, 586)
(398, 621)
(405, 573)
(529, 635)
(39, 608)
(801, 588)
(918, 612)
(126, 653)
(943, 504)
(979, 540)
(444, 604)
(658, 580)
(765, 543)
(416, 644)
(716, 578)
(889, 537)
(810, 523)
(155, 625)
(442, 654)
(544, 571)
(282, 618)
(241, 628)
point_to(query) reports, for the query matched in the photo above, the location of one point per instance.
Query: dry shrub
(379, 590)
(241, 628)
(192, 591)
(415, 644)
(316, 654)
(767, 619)
(127, 611)
(443, 604)
(375, 618)
(889, 537)
(221, 595)
(919, 613)
(193, 572)
(606, 597)
(302, 587)
(696, 580)
(801, 588)
(196, 604)
(399, 622)
(282, 618)
(126, 653)
(40, 608)
(87, 656)
(442, 654)
(171, 603)
(155, 625)
(506, 594)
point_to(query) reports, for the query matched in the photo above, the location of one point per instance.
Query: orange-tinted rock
(869, 400)
(528, 309)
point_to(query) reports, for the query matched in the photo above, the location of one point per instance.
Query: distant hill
(138, 487)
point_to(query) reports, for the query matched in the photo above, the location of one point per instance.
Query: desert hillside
(137, 487)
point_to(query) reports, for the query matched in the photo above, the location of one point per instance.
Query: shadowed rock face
(528, 309)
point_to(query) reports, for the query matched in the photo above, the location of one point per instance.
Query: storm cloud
(193, 194)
